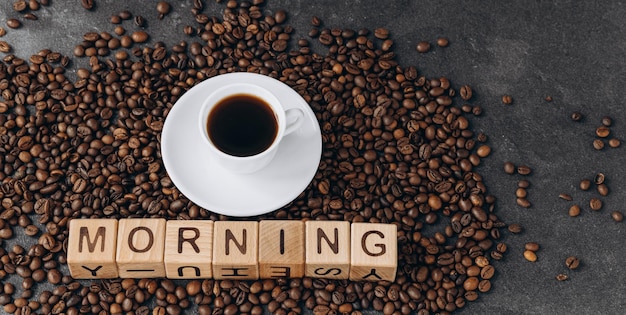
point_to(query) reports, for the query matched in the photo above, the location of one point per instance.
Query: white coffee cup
(286, 121)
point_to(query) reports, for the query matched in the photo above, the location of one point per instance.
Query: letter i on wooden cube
(140, 247)
(189, 249)
(91, 248)
(374, 252)
(235, 250)
(328, 249)
(281, 249)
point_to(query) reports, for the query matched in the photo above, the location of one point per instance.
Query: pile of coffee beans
(396, 149)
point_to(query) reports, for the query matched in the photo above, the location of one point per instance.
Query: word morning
(178, 249)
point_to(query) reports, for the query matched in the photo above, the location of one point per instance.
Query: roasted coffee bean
(515, 228)
(5, 47)
(523, 202)
(3, 31)
(603, 131)
(617, 216)
(576, 116)
(163, 8)
(20, 5)
(614, 143)
(574, 211)
(532, 246)
(466, 91)
(444, 42)
(530, 255)
(598, 144)
(523, 170)
(599, 178)
(595, 204)
(509, 168)
(562, 277)
(87, 4)
(585, 184)
(603, 189)
(572, 262)
(565, 196)
(423, 47)
(507, 99)
(13, 23)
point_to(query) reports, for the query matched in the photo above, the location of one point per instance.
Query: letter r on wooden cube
(91, 248)
(374, 252)
(328, 249)
(235, 250)
(140, 247)
(281, 249)
(189, 249)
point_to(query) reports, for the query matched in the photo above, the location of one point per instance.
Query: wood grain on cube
(374, 254)
(235, 250)
(91, 248)
(327, 249)
(140, 248)
(189, 249)
(281, 249)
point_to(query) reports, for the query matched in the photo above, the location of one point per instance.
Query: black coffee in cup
(242, 125)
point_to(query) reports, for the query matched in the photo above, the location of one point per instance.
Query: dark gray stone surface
(574, 51)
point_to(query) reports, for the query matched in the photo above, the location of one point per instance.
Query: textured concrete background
(572, 50)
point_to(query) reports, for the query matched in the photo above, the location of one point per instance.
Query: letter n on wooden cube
(281, 249)
(189, 249)
(374, 252)
(91, 248)
(140, 247)
(235, 250)
(328, 249)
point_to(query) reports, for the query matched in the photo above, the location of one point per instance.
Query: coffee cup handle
(293, 119)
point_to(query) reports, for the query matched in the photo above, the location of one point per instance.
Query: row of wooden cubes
(179, 249)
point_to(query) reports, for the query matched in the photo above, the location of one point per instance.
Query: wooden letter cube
(235, 250)
(281, 249)
(374, 252)
(188, 249)
(91, 248)
(328, 249)
(140, 247)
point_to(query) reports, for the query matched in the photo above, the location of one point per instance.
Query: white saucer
(211, 187)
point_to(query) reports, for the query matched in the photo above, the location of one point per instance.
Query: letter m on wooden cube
(91, 248)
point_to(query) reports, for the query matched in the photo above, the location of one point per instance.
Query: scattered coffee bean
(548, 98)
(530, 255)
(483, 151)
(603, 131)
(139, 36)
(20, 5)
(509, 168)
(163, 8)
(30, 16)
(87, 4)
(603, 190)
(532, 246)
(599, 178)
(564, 196)
(14, 23)
(585, 184)
(515, 228)
(5, 47)
(617, 216)
(614, 143)
(562, 277)
(572, 262)
(595, 204)
(507, 99)
(523, 202)
(523, 184)
(576, 116)
(466, 92)
(598, 144)
(423, 47)
(521, 193)
(3, 31)
(523, 170)
(443, 42)
(607, 121)
(574, 211)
